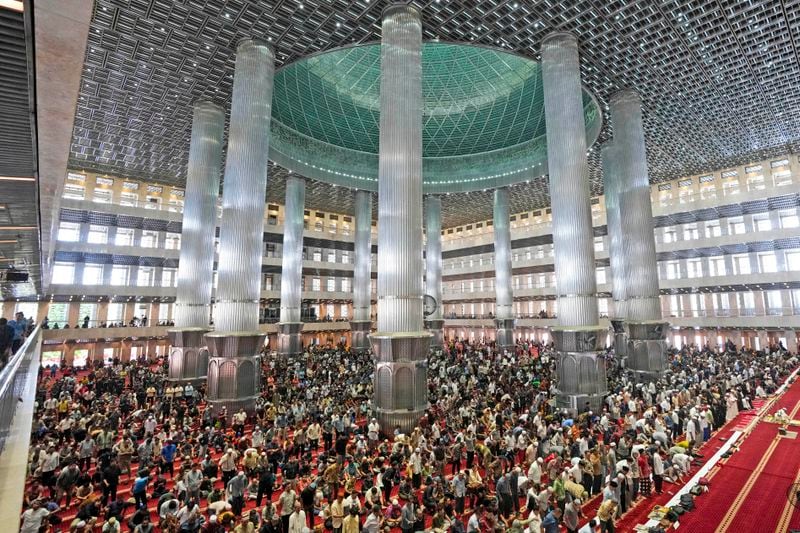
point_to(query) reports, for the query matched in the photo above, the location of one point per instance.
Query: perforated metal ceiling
(719, 80)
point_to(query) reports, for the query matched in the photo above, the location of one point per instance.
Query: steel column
(401, 344)
(234, 371)
(578, 337)
(433, 267)
(504, 306)
(646, 350)
(290, 328)
(361, 324)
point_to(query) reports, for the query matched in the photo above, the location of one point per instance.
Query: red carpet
(763, 496)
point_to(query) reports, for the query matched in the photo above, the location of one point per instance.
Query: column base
(435, 326)
(504, 337)
(359, 335)
(290, 339)
(582, 384)
(234, 370)
(401, 378)
(646, 349)
(620, 342)
(188, 355)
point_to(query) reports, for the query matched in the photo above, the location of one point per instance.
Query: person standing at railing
(6, 339)
(20, 327)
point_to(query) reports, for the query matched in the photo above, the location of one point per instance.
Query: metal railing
(14, 380)
(743, 312)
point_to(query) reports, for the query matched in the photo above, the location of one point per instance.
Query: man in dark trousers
(111, 475)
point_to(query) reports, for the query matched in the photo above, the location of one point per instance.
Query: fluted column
(578, 337)
(361, 324)
(401, 344)
(188, 356)
(290, 328)
(235, 368)
(646, 350)
(504, 305)
(433, 268)
(611, 192)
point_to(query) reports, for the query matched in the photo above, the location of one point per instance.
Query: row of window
(720, 304)
(738, 264)
(786, 219)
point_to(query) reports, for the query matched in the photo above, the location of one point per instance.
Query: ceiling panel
(719, 80)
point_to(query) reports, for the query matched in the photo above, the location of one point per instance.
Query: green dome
(483, 117)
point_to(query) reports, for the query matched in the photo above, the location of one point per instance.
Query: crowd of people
(119, 447)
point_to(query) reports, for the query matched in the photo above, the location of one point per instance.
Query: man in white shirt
(474, 523)
(373, 432)
(33, 518)
(373, 521)
(658, 470)
(297, 520)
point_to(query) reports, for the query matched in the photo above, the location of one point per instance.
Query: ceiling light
(16, 178)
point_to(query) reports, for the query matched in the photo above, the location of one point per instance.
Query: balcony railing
(744, 312)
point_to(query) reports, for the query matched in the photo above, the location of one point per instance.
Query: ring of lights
(483, 117)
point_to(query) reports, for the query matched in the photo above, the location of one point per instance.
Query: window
(149, 239)
(730, 183)
(713, 229)
(152, 202)
(97, 234)
(319, 226)
(694, 268)
(746, 302)
(741, 264)
(176, 206)
(266, 282)
(316, 284)
(344, 311)
(781, 175)
(119, 275)
(767, 262)
(172, 241)
(74, 191)
(87, 310)
(670, 235)
(708, 188)
(762, 223)
(602, 306)
(793, 260)
(685, 191)
(690, 232)
(63, 273)
(331, 257)
(169, 277)
(331, 284)
(598, 244)
(345, 257)
(124, 237)
(774, 302)
(345, 285)
(92, 274)
(69, 231)
(130, 199)
(673, 270)
(600, 274)
(317, 255)
(164, 312)
(736, 226)
(102, 196)
(57, 314)
(755, 178)
(716, 266)
(789, 219)
(332, 227)
(145, 277)
(665, 194)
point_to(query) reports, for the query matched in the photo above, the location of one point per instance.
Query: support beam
(612, 182)
(401, 344)
(504, 306)
(433, 268)
(647, 331)
(290, 328)
(578, 337)
(361, 325)
(188, 356)
(234, 369)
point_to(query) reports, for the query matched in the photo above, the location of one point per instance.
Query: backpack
(697, 490)
(687, 502)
